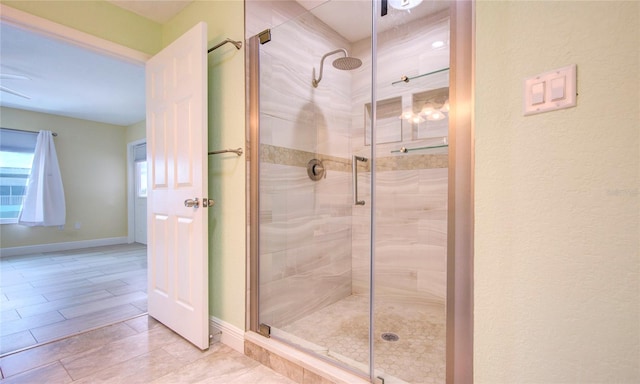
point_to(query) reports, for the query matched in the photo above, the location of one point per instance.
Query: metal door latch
(207, 202)
(192, 203)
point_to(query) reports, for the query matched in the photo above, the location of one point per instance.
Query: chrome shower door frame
(459, 302)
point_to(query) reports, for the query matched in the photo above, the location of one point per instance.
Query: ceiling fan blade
(9, 76)
(11, 91)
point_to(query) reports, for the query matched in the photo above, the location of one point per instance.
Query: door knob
(192, 203)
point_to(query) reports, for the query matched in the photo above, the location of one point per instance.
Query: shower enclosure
(349, 185)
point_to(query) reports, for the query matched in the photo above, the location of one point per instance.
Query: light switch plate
(554, 98)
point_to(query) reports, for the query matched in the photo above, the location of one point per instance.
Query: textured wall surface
(557, 269)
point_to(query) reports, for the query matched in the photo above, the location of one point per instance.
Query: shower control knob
(318, 169)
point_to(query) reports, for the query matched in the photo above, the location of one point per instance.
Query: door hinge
(264, 330)
(265, 36)
(207, 202)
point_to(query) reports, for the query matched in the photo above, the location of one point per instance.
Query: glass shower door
(314, 243)
(353, 180)
(410, 187)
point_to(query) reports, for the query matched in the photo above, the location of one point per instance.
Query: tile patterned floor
(139, 350)
(340, 331)
(47, 296)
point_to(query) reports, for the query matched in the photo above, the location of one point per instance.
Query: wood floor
(48, 296)
(139, 350)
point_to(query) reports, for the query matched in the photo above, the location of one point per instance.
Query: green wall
(98, 18)
(557, 196)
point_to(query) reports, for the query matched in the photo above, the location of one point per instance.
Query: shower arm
(315, 81)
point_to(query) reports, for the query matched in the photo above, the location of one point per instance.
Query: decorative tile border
(297, 158)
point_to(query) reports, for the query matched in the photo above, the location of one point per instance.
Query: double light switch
(550, 90)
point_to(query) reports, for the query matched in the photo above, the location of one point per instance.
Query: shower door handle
(354, 171)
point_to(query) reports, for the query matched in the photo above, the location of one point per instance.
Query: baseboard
(227, 334)
(55, 247)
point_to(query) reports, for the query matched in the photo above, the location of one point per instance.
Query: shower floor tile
(341, 332)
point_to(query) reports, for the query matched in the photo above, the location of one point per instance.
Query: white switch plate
(532, 104)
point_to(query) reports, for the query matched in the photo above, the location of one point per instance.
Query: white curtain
(44, 198)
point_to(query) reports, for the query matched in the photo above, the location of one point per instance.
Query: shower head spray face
(345, 63)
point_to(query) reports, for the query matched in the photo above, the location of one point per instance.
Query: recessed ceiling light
(437, 44)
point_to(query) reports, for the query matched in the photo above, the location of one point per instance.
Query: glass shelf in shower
(444, 144)
(409, 79)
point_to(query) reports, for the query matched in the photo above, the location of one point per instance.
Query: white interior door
(176, 152)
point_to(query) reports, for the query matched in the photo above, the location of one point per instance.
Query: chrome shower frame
(460, 242)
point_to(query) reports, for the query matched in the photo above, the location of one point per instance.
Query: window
(140, 158)
(16, 156)
(141, 179)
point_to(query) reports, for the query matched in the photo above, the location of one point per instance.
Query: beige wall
(557, 270)
(92, 158)
(227, 226)
(137, 131)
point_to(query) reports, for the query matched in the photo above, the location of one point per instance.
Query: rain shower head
(345, 63)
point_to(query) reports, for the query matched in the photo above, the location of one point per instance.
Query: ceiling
(158, 11)
(352, 18)
(60, 78)
(63, 79)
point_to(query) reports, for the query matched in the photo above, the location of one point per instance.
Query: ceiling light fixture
(404, 5)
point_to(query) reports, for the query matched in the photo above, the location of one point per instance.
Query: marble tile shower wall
(314, 242)
(411, 237)
(305, 238)
(411, 189)
(296, 115)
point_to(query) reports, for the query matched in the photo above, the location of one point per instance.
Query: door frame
(131, 190)
(69, 35)
(93, 43)
(48, 28)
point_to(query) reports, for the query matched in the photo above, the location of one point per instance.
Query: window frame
(17, 142)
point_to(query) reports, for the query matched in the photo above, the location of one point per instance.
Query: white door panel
(176, 152)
